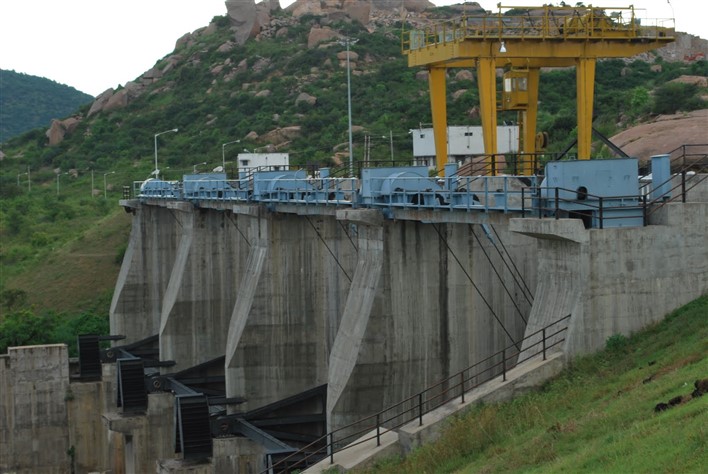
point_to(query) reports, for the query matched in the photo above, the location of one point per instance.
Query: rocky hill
(266, 20)
(665, 133)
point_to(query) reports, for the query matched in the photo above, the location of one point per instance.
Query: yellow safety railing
(541, 23)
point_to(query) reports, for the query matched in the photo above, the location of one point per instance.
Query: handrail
(599, 203)
(421, 401)
(550, 22)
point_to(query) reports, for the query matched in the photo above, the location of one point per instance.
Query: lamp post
(104, 183)
(194, 167)
(28, 179)
(223, 153)
(390, 136)
(59, 174)
(157, 170)
(349, 41)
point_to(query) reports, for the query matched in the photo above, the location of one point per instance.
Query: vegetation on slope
(597, 416)
(28, 102)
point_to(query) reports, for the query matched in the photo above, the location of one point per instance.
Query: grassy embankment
(81, 274)
(597, 416)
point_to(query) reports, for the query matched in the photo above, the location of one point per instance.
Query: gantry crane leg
(529, 121)
(487, 80)
(585, 81)
(438, 105)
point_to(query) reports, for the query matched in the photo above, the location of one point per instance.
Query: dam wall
(617, 281)
(376, 308)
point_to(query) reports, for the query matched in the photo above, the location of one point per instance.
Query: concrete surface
(617, 281)
(34, 425)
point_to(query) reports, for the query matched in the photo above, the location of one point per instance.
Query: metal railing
(413, 408)
(549, 202)
(689, 158)
(688, 181)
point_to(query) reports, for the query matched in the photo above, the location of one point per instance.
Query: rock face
(242, 14)
(319, 35)
(664, 134)
(60, 128)
(363, 11)
(248, 18)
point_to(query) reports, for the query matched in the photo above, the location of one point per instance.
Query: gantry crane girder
(538, 37)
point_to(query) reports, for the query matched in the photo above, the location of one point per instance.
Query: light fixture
(502, 48)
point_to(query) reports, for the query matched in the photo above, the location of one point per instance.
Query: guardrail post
(420, 409)
(523, 203)
(556, 212)
(645, 212)
(683, 185)
(601, 216)
(504, 365)
(538, 196)
(331, 448)
(544, 343)
(378, 431)
(462, 385)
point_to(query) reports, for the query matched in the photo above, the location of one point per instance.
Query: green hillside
(28, 102)
(55, 200)
(597, 416)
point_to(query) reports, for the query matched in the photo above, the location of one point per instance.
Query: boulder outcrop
(60, 128)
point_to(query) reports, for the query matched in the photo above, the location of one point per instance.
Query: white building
(462, 143)
(263, 161)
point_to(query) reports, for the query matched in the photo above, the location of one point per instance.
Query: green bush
(672, 97)
(616, 343)
(24, 328)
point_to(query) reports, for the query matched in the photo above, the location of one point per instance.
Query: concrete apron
(519, 380)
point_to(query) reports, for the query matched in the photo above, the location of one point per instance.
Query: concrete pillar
(289, 303)
(137, 299)
(616, 281)
(87, 434)
(34, 433)
(365, 285)
(140, 440)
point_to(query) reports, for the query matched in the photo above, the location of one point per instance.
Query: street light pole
(348, 41)
(390, 134)
(105, 195)
(223, 153)
(157, 170)
(18, 178)
(194, 167)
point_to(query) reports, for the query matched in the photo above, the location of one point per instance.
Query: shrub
(616, 342)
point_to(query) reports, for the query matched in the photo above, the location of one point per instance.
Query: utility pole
(349, 41)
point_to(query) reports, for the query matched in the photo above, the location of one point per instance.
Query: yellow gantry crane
(521, 44)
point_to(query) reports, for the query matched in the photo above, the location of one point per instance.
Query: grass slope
(80, 275)
(597, 416)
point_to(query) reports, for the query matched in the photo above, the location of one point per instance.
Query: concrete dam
(307, 307)
(376, 309)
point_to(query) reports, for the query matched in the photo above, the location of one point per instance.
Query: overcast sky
(93, 45)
